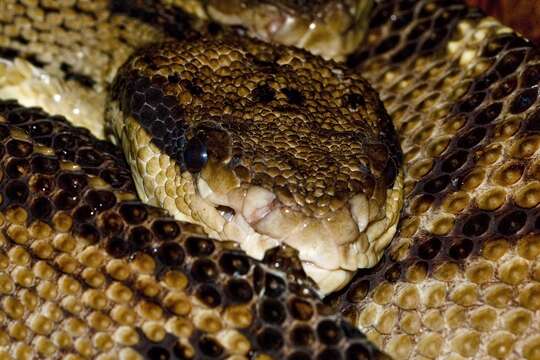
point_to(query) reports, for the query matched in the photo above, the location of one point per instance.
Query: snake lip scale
(378, 199)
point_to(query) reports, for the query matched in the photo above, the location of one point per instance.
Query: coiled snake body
(216, 127)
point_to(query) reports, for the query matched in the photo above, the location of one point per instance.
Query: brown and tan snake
(231, 196)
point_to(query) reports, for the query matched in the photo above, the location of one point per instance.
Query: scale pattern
(461, 280)
(51, 30)
(87, 271)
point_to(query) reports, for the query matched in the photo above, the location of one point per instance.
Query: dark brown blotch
(329, 332)
(302, 335)
(234, 263)
(100, 200)
(239, 291)
(199, 247)
(523, 100)
(488, 114)
(133, 213)
(88, 232)
(16, 191)
(329, 354)
(16, 168)
(299, 355)
(263, 93)
(83, 213)
(270, 339)
(272, 311)
(210, 347)
(461, 249)
(139, 237)
(19, 148)
(171, 254)
(429, 249)
(112, 223)
(73, 183)
(274, 285)
(204, 270)
(301, 309)
(42, 208)
(65, 200)
(88, 157)
(166, 229)
(476, 225)
(45, 164)
(42, 184)
(117, 247)
(510, 62)
(208, 295)
(512, 223)
(294, 97)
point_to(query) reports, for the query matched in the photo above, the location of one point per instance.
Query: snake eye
(195, 154)
(209, 143)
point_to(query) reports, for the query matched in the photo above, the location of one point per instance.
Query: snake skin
(88, 271)
(460, 280)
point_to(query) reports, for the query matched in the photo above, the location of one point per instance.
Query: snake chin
(331, 248)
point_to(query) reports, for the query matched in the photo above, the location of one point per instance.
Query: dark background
(521, 15)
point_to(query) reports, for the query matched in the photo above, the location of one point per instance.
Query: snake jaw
(331, 248)
(258, 202)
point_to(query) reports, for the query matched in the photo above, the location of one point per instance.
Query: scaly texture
(331, 29)
(87, 271)
(263, 145)
(461, 280)
(76, 48)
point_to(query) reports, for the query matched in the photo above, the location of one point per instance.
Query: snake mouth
(331, 246)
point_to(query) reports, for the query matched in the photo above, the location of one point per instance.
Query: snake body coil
(88, 271)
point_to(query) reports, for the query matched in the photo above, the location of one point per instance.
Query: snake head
(267, 146)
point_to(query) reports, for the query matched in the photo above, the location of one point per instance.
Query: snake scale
(87, 270)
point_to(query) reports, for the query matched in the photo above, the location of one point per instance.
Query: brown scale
(88, 271)
(462, 276)
(76, 144)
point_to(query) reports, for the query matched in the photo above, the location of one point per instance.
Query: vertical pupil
(195, 154)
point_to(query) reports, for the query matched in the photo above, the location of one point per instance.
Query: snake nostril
(195, 154)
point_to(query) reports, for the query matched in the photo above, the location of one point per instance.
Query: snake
(251, 179)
